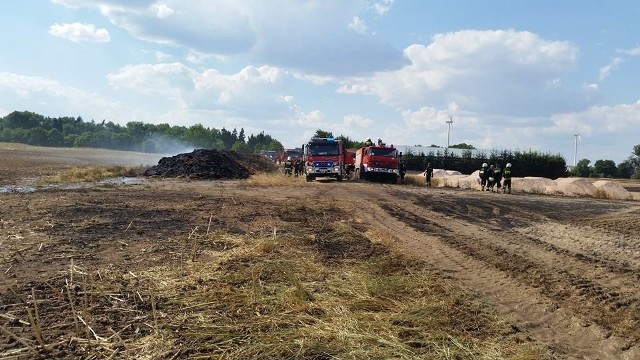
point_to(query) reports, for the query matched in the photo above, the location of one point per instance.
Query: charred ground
(246, 268)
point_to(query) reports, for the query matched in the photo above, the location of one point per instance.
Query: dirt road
(565, 271)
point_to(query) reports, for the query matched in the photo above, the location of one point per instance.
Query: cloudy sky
(514, 75)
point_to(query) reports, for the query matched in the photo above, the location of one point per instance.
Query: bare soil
(564, 271)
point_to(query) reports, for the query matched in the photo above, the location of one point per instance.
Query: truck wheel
(339, 177)
(309, 178)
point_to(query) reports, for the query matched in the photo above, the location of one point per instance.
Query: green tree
(349, 143)
(55, 137)
(323, 134)
(625, 169)
(605, 168)
(199, 136)
(582, 168)
(240, 147)
(462, 146)
(22, 120)
(228, 138)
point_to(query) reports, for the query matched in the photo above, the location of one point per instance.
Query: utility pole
(450, 123)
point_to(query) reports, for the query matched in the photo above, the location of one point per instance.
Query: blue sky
(514, 74)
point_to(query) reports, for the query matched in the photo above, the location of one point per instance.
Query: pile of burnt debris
(211, 164)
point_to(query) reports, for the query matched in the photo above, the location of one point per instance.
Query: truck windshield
(383, 152)
(324, 149)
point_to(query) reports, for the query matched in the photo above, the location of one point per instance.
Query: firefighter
(491, 181)
(402, 170)
(288, 166)
(368, 142)
(299, 167)
(483, 175)
(428, 174)
(497, 175)
(507, 179)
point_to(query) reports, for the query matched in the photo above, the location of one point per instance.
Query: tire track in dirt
(597, 294)
(497, 263)
(617, 252)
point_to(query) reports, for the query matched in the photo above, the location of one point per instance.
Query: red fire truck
(350, 164)
(324, 157)
(377, 163)
(294, 154)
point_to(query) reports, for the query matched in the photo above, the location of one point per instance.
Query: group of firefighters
(492, 176)
(293, 167)
(489, 177)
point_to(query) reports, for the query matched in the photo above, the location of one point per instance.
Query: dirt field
(563, 272)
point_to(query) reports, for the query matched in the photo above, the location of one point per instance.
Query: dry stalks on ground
(90, 174)
(312, 287)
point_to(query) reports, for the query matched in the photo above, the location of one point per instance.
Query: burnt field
(274, 267)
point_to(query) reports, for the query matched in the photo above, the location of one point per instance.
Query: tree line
(628, 169)
(529, 163)
(34, 129)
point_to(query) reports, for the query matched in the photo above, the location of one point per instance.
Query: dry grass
(273, 179)
(419, 180)
(296, 295)
(293, 296)
(319, 292)
(601, 194)
(90, 174)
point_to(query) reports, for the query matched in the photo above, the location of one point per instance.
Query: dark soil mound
(211, 164)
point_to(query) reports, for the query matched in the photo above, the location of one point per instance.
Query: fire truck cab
(324, 157)
(377, 163)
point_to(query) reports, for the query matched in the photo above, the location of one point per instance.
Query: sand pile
(611, 190)
(573, 187)
(539, 185)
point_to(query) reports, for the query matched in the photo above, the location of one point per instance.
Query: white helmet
(508, 164)
(484, 165)
(288, 157)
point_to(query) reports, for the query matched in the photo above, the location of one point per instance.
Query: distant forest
(34, 129)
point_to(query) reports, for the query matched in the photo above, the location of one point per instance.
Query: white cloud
(358, 25)
(615, 63)
(253, 91)
(622, 120)
(162, 56)
(195, 57)
(351, 125)
(357, 121)
(283, 33)
(163, 11)
(312, 119)
(506, 72)
(48, 95)
(631, 52)
(606, 70)
(78, 32)
(382, 7)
